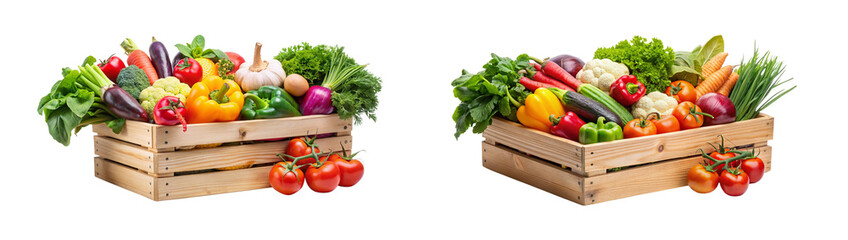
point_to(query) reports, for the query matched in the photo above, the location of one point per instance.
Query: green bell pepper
(600, 132)
(268, 102)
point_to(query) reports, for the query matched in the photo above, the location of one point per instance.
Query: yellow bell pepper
(538, 108)
(214, 99)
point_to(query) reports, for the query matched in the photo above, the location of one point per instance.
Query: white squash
(259, 73)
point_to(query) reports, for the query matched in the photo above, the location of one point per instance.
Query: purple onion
(570, 64)
(317, 100)
(719, 106)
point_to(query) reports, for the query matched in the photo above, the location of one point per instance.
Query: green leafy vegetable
(650, 62)
(195, 49)
(757, 78)
(687, 65)
(706, 52)
(354, 96)
(493, 91)
(74, 103)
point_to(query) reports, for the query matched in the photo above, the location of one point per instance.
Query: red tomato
(700, 180)
(689, 115)
(323, 176)
(755, 168)
(682, 91)
(723, 156)
(236, 59)
(733, 184)
(350, 171)
(188, 71)
(666, 124)
(300, 147)
(112, 67)
(285, 178)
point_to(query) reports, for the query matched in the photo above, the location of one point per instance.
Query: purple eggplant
(159, 58)
(123, 104)
(317, 100)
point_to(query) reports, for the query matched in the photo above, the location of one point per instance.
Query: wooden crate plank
(258, 153)
(645, 179)
(206, 133)
(536, 143)
(124, 153)
(203, 184)
(134, 132)
(125, 177)
(535, 172)
(634, 151)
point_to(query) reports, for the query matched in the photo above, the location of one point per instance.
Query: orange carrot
(714, 81)
(725, 89)
(713, 64)
(140, 59)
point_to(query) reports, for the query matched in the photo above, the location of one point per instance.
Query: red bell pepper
(567, 126)
(111, 67)
(169, 111)
(627, 90)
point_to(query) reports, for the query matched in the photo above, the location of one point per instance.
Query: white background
(420, 182)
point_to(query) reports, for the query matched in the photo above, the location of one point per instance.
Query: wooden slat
(212, 183)
(533, 171)
(206, 133)
(125, 177)
(634, 151)
(125, 153)
(645, 179)
(536, 143)
(134, 131)
(259, 153)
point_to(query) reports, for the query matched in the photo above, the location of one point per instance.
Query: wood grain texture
(533, 171)
(125, 177)
(584, 190)
(237, 131)
(162, 163)
(536, 143)
(595, 159)
(203, 184)
(134, 131)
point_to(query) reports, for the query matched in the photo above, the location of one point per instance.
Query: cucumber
(596, 94)
(586, 108)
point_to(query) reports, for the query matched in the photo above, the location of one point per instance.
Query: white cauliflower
(654, 102)
(169, 86)
(602, 73)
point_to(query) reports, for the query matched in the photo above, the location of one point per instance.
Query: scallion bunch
(757, 78)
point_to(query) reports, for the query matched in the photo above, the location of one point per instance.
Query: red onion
(571, 64)
(719, 106)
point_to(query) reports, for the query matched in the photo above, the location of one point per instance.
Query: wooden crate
(159, 162)
(582, 173)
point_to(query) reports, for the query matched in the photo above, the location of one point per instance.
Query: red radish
(541, 77)
(533, 85)
(556, 72)
(140, 59)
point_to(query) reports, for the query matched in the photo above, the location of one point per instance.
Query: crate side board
(634, 151)
(206, 133)
(536, 143)
(126, 177)
(534, 172)
(158, 163)
(195, 185)
(136, 132)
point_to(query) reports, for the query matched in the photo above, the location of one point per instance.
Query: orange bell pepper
(214, 100)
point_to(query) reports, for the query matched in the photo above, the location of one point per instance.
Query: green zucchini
(596, 94)
(586, 108)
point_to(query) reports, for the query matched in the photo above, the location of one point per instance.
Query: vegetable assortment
(641, 85)
(202, 85)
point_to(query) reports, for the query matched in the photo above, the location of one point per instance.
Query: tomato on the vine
(701, 180)
(350, 170)
(755, 168)
(301, 146)
(286, 178)
(734, 182)
(689, 115)
(323, 176)
(682, 91)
